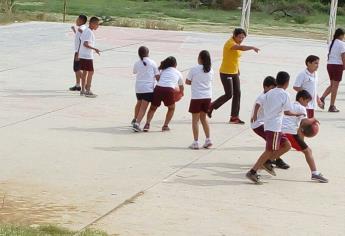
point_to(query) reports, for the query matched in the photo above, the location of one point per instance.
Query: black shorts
(145, 96)
(76, 63)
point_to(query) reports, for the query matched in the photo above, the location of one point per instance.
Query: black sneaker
(133, 121)
(319, 178)
(269, 168)
(332, 109)
(253, 177)
(279, 163)
(75, 88)
(136, 127)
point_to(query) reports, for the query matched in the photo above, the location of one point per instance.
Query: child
(164, 92)
(290, 128)
(275, 103)
(86, 57)
(308, 80)
(200, 78)
(257, 125)
(147, 73)
(80, 23)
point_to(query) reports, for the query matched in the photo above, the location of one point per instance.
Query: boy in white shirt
(78, 30)
(86, 57)
(308, 80)
(290, 128)
(276, 103)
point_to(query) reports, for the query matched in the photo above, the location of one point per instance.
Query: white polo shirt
(145, 75)
(260, 115)
(87, 36)
(309, 82)
(201, 82)
(338, 48)
(276, 101)
(291, 123)
(170, 78)
(77, 37)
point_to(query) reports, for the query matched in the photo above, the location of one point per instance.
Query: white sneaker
(194, 146)
(90, 94)
(208, 144)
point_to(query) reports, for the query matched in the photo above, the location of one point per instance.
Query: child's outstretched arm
(291, 113)
(73, 29)
(255, 113)
(245, 48)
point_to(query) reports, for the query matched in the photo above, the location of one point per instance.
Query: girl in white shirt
(170, 79)
(146, 75)
(200, 78)
(335, 67)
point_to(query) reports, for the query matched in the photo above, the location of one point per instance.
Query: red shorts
(310, 113)
(297, 142)
(86, 64)
(335, 72)
(199, 105)
(274, 140)
(163, 94)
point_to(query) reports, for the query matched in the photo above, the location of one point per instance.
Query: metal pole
(332, 19)
(64, 10)
(246, 14)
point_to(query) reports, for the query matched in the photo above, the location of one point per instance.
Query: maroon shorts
(310, 113)
(297, 142)
(260, 131)
(274, 140)
(199, 105)
(163, 94)
(86, 64)
(335, 72)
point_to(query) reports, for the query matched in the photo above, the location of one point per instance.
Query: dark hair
(205, 60)
(83, 18)
(311, 59)
(303, 94)
(143, 52)
(94, 20)
(269, 81)
(168, 62)
(239, 31)
(282, 78)
(339, 32)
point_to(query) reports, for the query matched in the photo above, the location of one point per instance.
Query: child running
(257, 125)
(78, 30)
(147, 73)
(308, 80)
(170, 78)
(86, 57)
(290, 128)
(200, 78)
(275, 103)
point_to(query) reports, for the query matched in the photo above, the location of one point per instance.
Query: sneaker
(165, 128)
(82, 93)
(322, 106)
(75, 88)
(90, 94)
(269, 168)
(279, 163)
(194, 146)
(208, 144)
(133, 121)
(253, 177)
(332, 109)
(319, 178)
(146, 127)
(236, 121)
(136, 127)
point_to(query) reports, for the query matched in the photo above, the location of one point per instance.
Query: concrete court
(74, 161)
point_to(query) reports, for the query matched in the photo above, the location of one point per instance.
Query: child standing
(275, 104)
(200, 78)
(78, 30)
(86, 57)
(257, 125)
(147, 73)
(164, 92)
(291, 126)
(308, 80)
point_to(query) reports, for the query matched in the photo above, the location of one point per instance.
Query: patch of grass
(10, 230)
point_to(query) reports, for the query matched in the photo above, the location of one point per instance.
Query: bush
(300, 19)
(231, 4)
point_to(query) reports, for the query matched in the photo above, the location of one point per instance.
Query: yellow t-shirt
(231, 62)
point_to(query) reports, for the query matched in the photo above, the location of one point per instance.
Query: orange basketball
(177, 94)
(310, 127)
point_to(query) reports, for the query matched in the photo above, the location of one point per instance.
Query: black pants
(232, 89)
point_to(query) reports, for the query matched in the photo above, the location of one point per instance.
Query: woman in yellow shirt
(229, 74)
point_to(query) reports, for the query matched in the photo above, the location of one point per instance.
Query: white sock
(196, 141)
(77, 85)
(207, 140)
(315, 172)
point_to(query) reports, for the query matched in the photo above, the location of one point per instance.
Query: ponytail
(339, 32)
(205, 59)
(168, 62)
(143, 52)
